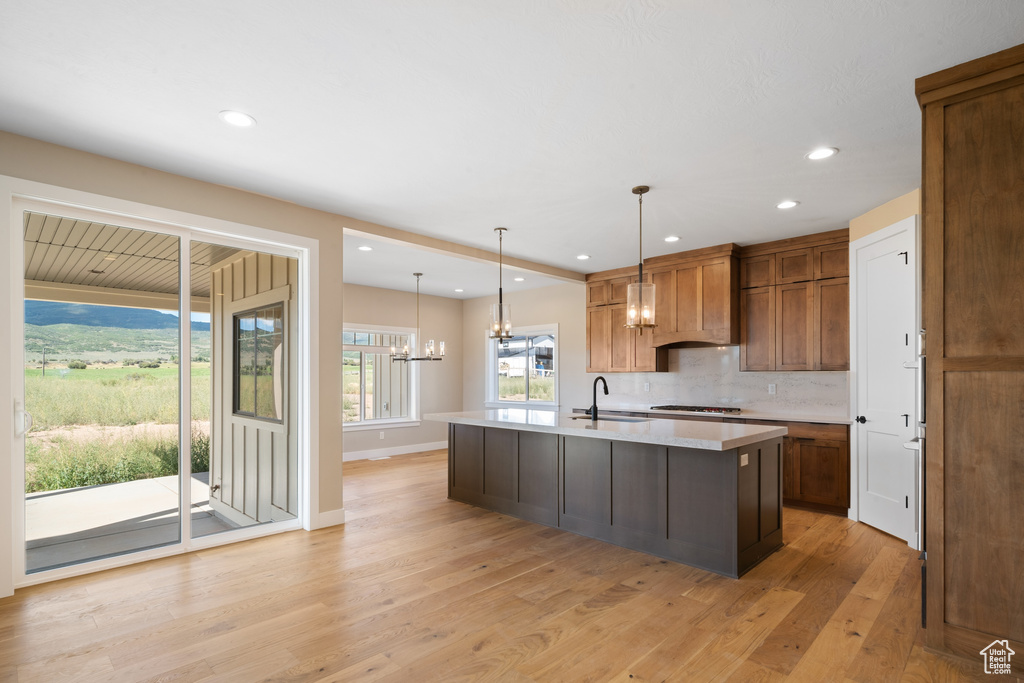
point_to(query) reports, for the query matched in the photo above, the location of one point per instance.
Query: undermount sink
(612, 418)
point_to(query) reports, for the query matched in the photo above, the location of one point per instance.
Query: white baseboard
(394, 450)
(330, 518)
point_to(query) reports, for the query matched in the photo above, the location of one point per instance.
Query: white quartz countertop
(711, 436)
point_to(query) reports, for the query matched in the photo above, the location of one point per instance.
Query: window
(258, 367)
(523, 369)
(376, 390)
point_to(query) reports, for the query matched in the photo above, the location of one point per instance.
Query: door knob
(861, 419)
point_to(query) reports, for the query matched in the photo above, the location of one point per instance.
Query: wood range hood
(697, 297)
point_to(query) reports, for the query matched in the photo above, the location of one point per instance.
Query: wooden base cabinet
(973, 247)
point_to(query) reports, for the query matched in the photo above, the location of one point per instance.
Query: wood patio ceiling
(76, 252)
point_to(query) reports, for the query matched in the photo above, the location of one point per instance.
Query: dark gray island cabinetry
(645, 486)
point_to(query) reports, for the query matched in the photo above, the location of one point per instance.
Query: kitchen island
(706, 494)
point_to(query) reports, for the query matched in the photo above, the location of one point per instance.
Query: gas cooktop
(700, 409)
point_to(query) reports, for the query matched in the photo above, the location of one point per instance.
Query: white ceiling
(391, 266)
(448, 118)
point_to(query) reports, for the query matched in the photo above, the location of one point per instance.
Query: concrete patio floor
(74, 525)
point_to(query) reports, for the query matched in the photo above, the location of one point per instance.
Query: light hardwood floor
(417, 588)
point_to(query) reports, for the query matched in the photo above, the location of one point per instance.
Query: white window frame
(413, 418)
(491, 373)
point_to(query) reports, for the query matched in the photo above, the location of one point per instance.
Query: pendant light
(640, 294)
(501, 313)
(429, 352)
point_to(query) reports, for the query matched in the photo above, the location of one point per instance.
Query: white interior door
(887, 321)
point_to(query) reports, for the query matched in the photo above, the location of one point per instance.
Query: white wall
(561, 304)
(440, 382)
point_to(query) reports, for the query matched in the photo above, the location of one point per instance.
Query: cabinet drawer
(811, 430)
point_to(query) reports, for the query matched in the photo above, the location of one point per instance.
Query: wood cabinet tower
(973, 240)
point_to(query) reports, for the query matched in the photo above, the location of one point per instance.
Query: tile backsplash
(711, 376)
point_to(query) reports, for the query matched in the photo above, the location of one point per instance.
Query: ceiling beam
(108, 296)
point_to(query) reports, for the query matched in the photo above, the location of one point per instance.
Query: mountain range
(56, 313)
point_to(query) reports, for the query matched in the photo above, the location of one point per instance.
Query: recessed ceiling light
(519, 279)
(582, 257)
(237, 118)
(671, 238)
(110, 258)
(458, 290)
(788, 204)
(822, 153)
(365, 248)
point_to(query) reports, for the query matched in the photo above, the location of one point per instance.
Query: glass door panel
(101, 352)
(244, 343)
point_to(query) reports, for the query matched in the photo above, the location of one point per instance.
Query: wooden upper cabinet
(794, 319)
(622, 347)
(697, 301)
(612, 347)
(832, 260)
(832, 324)
(757, 329)
(597, 293)
(617, 289)
(609, 291)
(598, 339)
(796, 265)
(757, 271)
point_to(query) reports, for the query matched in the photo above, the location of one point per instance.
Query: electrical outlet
(382, 436)
(647, 386)
(771, 388)
(744, 459)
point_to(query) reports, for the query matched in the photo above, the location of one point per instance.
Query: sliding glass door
(114, 356)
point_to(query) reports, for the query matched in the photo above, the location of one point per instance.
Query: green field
(110, 397)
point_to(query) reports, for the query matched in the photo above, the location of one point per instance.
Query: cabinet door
(664, 300)
(794, 318)
(621, 347)
(832, 260)
(757, 271)
(689, 289)
(832, 324)
(823, 471)
(790, 470)
(598, 339)
(647, 358)
(757, 329)
(796, 265)
(617, 289)
(704, 304)
(597, 293)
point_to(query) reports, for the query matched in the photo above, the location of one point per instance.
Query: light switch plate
(744, 459)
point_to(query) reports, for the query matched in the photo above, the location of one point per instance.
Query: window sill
(553, 407)
(382, 424)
